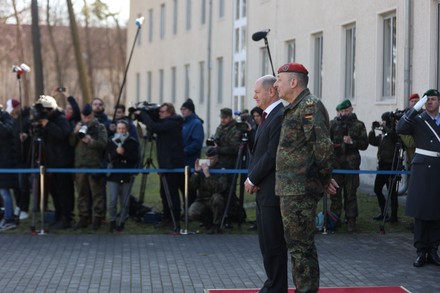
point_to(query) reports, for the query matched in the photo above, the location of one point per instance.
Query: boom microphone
(139, 21)
(25, 67)
(260, 35)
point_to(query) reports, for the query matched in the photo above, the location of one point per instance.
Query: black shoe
(433, 257)
(97, 223)
(120, 227)
(112, 227)
(420, 260)
(62, 225)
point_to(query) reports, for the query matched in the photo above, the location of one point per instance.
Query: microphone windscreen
(25, 67)
(139, 21)
(259, 35)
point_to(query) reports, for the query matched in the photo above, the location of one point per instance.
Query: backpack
(332, 220)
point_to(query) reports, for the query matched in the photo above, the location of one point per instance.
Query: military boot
(97, 223)
(82, 223)
(351, 225)
(433, 257)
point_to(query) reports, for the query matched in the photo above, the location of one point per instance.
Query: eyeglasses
(162, 111)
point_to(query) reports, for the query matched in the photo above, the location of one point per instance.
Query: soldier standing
(303, 171)
(348, 135)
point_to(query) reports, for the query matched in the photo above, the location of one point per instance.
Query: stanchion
(42, 172)
(185, 231)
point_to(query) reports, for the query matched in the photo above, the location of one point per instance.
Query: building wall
(416, 54)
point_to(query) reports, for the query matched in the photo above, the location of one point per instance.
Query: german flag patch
(308, 116)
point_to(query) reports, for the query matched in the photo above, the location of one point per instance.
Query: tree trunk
(38, 62)
(59, 73)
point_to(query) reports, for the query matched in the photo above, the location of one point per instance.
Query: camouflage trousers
(88, 184)
(298, 213)
(348, 184)
(207, 210)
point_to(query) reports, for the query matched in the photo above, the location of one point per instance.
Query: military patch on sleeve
(308, 116)
(309, 103)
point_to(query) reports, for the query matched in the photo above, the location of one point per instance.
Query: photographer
(122, 153)
(348, 135)
(55, 130)
(208, 189)
(387, 159)
(169, 144)
(90, 140)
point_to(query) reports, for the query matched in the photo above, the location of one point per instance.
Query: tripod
(240, 163)
(37, 182)
(394, 181)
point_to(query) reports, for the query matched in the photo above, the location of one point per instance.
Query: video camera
(151, 109)
(393, 116)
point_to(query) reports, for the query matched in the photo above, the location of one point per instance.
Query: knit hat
(87, 110)
(189, 105)
(11, 104)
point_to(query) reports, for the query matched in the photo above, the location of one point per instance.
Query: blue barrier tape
(180, 170)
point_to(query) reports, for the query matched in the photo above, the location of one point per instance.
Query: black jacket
(129, 160)
(169, 140)
(8, 151)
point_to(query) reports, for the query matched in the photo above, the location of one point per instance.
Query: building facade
(376, 53)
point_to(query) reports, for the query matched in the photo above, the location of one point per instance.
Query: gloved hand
(420, 103)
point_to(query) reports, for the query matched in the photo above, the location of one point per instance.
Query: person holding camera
(348, 135)
(169, 144)
(423, 199)
(90, 140)
(208, 189)
(122, 153)
(55, 130)
(387, 156)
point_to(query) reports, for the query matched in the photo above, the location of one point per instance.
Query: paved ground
(191, 263)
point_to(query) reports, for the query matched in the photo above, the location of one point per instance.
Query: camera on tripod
(212, 141)
(151, 109)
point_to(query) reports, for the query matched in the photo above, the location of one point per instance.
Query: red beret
(414, 96)
(293, 67)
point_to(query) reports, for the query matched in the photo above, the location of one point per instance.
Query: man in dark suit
(423, 193)
(261, 180)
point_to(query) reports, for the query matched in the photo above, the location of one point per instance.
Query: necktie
(263, 117)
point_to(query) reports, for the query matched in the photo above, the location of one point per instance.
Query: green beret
(338, 107)
(432, 92)
(344, 104)
(226, 112)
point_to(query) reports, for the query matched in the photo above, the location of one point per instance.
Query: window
(243, 38)
(236, 65)
(220, 80)
(350, 58)
(149, 87)
(389, 57)
(187, 84)
(150, 25)
(264, 61)
(237, 9)
(237, 40)
(175, 17)
(317, 88)
(201, 81)
(162, 21)
(173, 84)
(138, 86)
(243, 73)
(243, 9)
(290, 48)
(188, 15)
(203, 12)
(221, 8)
(161, 85)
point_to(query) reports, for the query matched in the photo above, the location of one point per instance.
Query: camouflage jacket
(305, 152)
(205, 187)
(228, 140)
(347, 156)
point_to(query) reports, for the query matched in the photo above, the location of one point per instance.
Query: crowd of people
(294, 149)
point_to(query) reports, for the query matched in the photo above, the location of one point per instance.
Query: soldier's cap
(47, 102)
(414, 96)
(225, 112)
(432, 92)
(211, 152)
(87, 110)
(293, 67)
(344, 104)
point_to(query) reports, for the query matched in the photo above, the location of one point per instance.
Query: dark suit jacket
(263, 157)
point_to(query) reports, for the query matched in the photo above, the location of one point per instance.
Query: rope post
(185, 231)
(42, 172)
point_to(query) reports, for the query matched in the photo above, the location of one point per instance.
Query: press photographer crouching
(387, 155)
(209, 189)
(50, 124)
(90, 140)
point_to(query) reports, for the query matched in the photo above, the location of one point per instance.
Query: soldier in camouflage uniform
(303, 171)
(208, 189)
(227, 139)
(348, 135)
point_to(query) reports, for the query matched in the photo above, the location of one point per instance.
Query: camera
(376, 125)
(151, 109)
(212, 141)
(38, 112)
(82, 131)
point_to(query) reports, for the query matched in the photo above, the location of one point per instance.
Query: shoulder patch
(309, 102)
